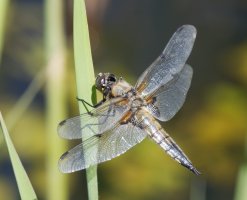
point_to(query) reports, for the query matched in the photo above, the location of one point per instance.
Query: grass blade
(240, 190)
(23, 182)
(3, 20)
(56, 93)
(84, 77)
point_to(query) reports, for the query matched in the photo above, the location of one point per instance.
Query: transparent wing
(96, 122)
(100, 148)
(169, 98)
(169, 63)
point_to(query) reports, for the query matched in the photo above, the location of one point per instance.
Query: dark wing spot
(154, 100)
(154, 109)
(62, 122)
(64, 155)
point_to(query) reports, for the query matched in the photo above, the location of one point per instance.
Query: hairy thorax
(123, 89)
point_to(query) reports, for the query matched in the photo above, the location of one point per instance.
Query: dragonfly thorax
(121, 88)
(137, 103)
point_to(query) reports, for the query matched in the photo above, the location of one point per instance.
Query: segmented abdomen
(158, 134)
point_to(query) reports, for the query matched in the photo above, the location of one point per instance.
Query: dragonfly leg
(85, 103)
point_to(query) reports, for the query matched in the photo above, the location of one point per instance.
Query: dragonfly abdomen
(158, 134)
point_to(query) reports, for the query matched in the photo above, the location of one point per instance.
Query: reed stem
(84, 77)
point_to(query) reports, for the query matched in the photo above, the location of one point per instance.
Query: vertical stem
(84, 77)
(55, 96)
(3, 12)
(240, 191)
(241, 182)
(198, 189)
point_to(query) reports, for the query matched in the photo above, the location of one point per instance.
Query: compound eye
(112, 78)
(100, 82)
(103, 82)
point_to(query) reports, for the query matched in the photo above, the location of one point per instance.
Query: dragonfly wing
(100, 148)
(169, 98)
(169, 63)
(96, 122)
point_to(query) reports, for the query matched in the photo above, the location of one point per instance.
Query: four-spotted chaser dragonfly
(128, 114)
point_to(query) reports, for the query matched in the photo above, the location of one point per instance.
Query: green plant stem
(23, 182)
(57, 187)
(3, 20)
(84, 77)
(240, 191)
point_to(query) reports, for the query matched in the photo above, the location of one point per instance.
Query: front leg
(92, 106)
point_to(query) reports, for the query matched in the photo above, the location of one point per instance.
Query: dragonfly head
(104, 81)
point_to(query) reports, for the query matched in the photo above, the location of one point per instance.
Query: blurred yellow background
(126, 37)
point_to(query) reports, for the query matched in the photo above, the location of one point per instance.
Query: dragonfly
(127, 114)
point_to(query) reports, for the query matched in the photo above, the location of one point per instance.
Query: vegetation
(41, 59)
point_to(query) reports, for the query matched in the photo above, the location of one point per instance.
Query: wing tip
(66, 164)
(60, 165)
(64, 155)
(188, 28)
(62, 123)
(64, 168)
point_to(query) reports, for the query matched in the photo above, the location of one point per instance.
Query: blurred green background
(126, 36)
